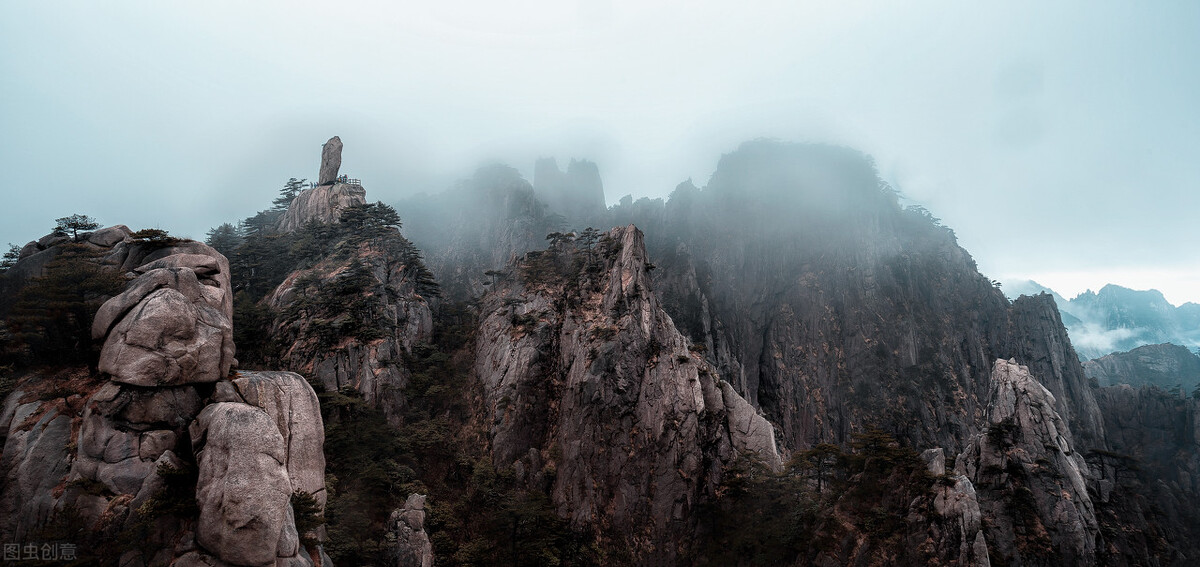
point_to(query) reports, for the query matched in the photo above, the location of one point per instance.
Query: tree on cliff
(10, 257)
(288, 194)
(74, 224)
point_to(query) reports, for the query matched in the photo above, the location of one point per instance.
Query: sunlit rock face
(585, 374)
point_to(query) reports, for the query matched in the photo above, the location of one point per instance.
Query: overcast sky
(1060, 140)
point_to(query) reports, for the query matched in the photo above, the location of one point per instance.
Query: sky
(1060, 140)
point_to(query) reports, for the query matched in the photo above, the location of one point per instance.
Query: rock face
(243, 489)
(482, 224)
(583, 371)
(828, 306)
(110, 450)
(1165, 366)
(1030, 478)
(407, 525)
(385, 278)
(169, 329)
(578, 193)
(331, 161)
(323, 203)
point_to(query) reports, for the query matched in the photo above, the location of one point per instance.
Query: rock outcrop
(1030, 479)
(114, 452)
(584, 372)
(331, 161)
(361, 348)
(1165, 365)
(412, 547)
(323, 203)
(243, 489)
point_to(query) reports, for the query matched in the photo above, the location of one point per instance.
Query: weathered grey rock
(293, 406)
(959, 504)
(33, 462)
(143, 409)
(110, 454)
(749, 431)
(167, 327)
(407, 525)
(935, 459)
(52, 239)
(225, 391)
(168, 340)
(324, 204)
(597, 378)
(243, 489)
(109, 237)
(30, 248)
(202, 264)
(1028, 465)
(331, 161)
(153, 444)
(289, 540)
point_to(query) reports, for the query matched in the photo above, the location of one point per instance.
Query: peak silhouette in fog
(1057, 141)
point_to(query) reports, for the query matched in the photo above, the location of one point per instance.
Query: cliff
(590, 386)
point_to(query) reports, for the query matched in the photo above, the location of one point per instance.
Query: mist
(1057, 141)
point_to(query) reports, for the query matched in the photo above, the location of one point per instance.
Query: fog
(1059, 140)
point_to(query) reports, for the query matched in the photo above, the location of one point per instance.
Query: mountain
(783, 366)
(1166, 366)
(1119, 319)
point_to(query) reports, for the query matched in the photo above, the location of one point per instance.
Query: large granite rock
(1031, 480)
(323, 203)
(293, 406)
(169, 338)
(331, 161)
(243, 489)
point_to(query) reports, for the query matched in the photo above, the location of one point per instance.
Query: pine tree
(224, 238)
(74, 224)
(288, 194)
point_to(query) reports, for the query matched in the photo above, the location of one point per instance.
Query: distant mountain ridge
(1119, 319)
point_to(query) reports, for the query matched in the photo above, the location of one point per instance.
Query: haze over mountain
(185, 115)
(1119, 319)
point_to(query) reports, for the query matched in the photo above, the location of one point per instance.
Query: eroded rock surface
(331, 161)
(407, 525)
(583, 368)
(243, 490)
(1030, 478)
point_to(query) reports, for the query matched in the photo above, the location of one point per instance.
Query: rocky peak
(1164, 365)
(331, 161)
(591, 388)
(1030, 478)
(577, 193)
(325, 202)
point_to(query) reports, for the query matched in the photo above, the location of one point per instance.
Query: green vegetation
(344, 304)
(51, 317)
(477, 513)
(824, 500)
(73, 224)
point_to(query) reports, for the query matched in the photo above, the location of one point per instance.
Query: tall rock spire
(331, 161)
